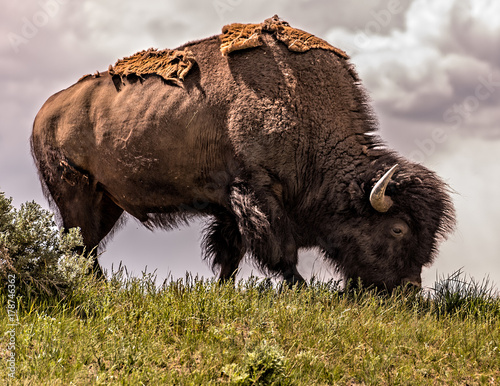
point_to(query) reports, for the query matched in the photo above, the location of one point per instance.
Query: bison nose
(412, 282)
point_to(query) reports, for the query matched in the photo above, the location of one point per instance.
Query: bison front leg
(266, 232)
(278, 251)
(289, 269)
(223, 245)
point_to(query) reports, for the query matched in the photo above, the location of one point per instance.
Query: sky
(432, 70)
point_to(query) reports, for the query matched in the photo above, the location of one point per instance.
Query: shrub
(262, 366)
(40, 257)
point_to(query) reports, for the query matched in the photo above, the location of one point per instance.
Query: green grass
(193, 332)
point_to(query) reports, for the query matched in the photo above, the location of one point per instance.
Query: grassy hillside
(200, 332)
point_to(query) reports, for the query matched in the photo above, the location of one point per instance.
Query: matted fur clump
(238, 36)
(171, 65)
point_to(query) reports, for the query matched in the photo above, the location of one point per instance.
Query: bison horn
(379, 201)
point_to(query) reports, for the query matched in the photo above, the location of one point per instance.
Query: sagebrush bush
(32, 249)
(263, 365)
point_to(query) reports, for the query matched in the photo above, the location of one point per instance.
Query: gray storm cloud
(421, 70)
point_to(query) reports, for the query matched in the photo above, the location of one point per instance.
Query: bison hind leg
(223, 245)
(82, 202)
(76, 197)
(97, 216)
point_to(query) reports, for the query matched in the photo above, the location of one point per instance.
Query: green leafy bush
(40, 257)
(264, 365)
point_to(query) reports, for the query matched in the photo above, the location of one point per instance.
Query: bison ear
(357, 196)
(356, 191)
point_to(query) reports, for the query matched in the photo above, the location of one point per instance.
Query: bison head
(394, 220)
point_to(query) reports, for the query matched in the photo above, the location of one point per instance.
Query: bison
(264, 129)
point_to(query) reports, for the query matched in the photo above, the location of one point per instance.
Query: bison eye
(399, 229)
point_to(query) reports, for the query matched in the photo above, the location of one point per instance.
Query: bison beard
(278, 148)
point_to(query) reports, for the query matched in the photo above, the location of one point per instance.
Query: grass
(199, 332)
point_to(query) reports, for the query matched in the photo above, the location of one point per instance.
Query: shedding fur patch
(238, 36)
(171, 65)
(242, 36)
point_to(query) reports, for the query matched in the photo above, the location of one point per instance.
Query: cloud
(435, 62)
(471, 168)
(475, 28)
